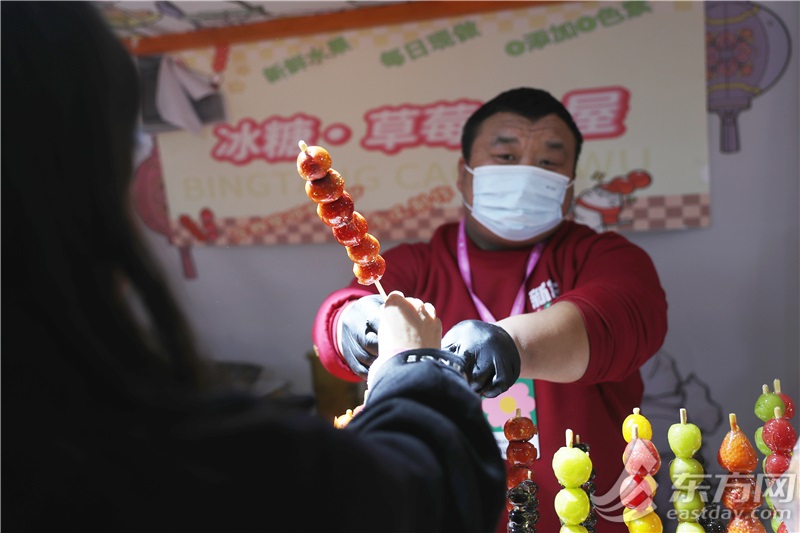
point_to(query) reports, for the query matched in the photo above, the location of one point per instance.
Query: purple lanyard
(466, 275)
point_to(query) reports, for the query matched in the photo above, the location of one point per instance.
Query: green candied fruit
(766, 404)
(759, 440)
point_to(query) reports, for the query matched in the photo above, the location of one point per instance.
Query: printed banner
(388, 102)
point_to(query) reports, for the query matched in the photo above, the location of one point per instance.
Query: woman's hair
(530, 103)
(73, 257)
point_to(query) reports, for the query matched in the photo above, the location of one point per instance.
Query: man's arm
(553, 343)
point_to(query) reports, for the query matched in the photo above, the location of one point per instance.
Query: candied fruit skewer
(778, 438)
(589, 488)
(572, 468)
(641, 461)
(335, 207)
(767, 401)
(522, 502)
(686, 472)
(740, 495)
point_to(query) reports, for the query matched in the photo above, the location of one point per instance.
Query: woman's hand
(406, 323)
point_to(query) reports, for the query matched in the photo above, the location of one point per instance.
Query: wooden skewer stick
(732, 421)
(380, 289)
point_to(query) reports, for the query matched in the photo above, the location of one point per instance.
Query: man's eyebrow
(550, 144)
(504, 140)
(556, 144)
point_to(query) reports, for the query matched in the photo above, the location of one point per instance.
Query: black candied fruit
(518, 495)
(530, 486)
(520, 528)
(591, 521)
(518, 516)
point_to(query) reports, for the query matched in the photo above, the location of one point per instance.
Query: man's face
(510, 139)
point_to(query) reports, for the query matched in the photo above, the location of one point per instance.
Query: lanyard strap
(466, 275)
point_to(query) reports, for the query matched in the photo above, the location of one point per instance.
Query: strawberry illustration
(736, 454)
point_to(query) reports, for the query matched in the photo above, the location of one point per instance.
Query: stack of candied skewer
(776, 440)
(522, 502)
(336, 208)
(641, 460)
(573, 469)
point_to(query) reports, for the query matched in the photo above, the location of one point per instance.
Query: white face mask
(517, 202)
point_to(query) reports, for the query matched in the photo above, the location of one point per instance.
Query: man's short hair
(528, 102)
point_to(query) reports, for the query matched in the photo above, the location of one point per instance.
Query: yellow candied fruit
(649, 523)
(643, 427)
(629, 515)
(573, 529)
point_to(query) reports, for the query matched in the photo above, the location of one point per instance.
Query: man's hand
(491, 356)
(358, 333)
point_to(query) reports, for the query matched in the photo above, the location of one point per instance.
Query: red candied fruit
(519, 428)
(325, 189)
(353, 232)
(517, 474)
(641, 457)
(741, 494)
(313, 162)
(776, 464)
(779, 435)
(337, 213)
(745, 524)
(369, 273)
(366, 251)
(521, 453)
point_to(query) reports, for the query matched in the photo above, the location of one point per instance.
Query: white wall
(733, 288)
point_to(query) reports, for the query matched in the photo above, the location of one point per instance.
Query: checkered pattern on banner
(305, 227)
(680, 211)
(417, 228)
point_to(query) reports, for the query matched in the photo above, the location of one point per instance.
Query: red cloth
(614, 284)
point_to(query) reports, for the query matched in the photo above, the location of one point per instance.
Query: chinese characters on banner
(388, 103)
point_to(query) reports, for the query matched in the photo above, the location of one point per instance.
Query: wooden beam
(350, 19)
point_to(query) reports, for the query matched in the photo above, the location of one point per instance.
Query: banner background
(388, 103)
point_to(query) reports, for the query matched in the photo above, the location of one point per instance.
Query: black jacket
(419, 457)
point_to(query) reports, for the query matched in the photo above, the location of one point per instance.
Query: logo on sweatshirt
(543, 294)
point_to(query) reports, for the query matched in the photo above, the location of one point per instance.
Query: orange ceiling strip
(330, 22)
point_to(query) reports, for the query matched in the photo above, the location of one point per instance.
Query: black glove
(490, 355)
(359, 333)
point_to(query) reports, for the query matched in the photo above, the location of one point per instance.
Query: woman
(111, 421)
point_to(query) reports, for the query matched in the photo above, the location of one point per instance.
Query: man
(522, 292)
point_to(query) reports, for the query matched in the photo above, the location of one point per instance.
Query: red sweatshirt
(615, 286)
